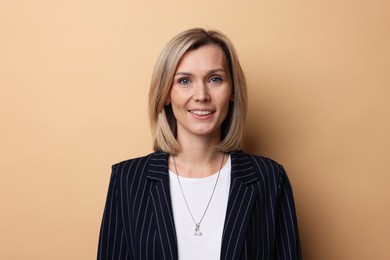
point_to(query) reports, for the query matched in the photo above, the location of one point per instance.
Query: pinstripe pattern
(260, 219)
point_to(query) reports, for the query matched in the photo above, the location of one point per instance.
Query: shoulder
(131, 162)
(261, 161)
(139, 164)
(268, 171)
(263, 166)
(142, 160)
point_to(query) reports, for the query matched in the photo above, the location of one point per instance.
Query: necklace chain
(197, 224)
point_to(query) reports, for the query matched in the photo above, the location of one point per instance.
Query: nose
(201, 92)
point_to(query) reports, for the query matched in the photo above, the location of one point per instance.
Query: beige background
(74, 78)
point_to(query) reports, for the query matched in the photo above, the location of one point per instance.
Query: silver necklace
(197, 231)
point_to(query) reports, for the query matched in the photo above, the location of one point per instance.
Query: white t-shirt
(198, 192)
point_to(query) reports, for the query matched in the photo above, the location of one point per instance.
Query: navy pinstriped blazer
(138, 221)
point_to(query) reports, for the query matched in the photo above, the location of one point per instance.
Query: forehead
(208, 56)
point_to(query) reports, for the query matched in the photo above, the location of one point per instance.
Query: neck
(197, 159)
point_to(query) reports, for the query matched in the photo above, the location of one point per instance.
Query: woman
(198, 196)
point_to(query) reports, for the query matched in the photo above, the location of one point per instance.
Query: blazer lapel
(241, 198)
(158, 175)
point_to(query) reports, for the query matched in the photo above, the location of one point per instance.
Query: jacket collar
(157, 168)
(241, 162)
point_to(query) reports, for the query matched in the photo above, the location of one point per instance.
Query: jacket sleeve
(112, 243)
(287, 244)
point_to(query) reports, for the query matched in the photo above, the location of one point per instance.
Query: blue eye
(216, 80)
(184, 81)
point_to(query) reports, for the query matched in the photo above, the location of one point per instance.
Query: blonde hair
(163, 122)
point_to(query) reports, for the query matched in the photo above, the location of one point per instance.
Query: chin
(206, 132)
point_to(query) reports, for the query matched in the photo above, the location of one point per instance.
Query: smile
(201, 112)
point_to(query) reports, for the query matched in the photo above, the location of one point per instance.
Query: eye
(184, 81)
(216, 80)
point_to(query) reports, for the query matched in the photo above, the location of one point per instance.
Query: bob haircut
(163, 122)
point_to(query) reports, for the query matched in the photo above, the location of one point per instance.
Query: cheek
(228, 99)
(178, 98)
(172, 98)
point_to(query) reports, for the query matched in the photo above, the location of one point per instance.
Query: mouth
(201, 112)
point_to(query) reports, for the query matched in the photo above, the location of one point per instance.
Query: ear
(232, 98)
(168, 101)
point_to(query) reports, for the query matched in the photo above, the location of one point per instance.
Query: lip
(201, 113)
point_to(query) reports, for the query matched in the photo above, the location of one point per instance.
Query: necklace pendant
(197, 230)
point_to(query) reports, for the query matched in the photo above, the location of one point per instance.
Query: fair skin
(200, 96)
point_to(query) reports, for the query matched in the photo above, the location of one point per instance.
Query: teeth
(200, 113)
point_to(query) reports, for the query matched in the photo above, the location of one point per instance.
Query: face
(201, 92)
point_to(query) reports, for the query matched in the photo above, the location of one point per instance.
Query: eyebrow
(208, 73)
